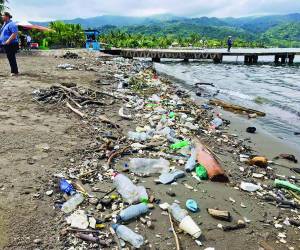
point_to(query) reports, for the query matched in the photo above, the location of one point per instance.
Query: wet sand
(25, 124)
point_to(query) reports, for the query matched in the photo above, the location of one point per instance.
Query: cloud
(68, 9)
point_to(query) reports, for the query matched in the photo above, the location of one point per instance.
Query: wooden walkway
(251, 56)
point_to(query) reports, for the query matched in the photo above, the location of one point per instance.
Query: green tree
(62, 35)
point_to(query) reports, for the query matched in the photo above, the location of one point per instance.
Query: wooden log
(235, 108)
(76, 111)
(219, 214)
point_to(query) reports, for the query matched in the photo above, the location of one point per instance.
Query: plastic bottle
(201, 172)
(126, 234)
(66, 187)
(180, 144)
(191, 163)
(136, 136)
(71, 204)
(145, 166)
(186, 223)
(177, 212)
(167, 178)
(129, 192)
(287, 185)
(217, 122)
(132, 212)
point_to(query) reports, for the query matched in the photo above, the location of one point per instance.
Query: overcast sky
(39, 10)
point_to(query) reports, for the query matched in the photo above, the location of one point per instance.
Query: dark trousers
(11, 51)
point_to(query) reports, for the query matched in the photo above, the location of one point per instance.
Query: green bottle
(287, 185)
(180, 144)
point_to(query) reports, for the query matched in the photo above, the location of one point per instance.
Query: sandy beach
(40, 140)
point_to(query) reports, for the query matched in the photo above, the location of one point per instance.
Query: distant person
(22, 41)
(229, 43)
(10, 41)
(28, 40)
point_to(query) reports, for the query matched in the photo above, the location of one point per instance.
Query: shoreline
(76, 148)
(240, 120)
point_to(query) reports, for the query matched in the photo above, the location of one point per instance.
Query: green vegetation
(268, 31)
(125, 39)
(62, 35)
(284, 35)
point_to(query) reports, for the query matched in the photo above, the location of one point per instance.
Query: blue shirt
(7, 30)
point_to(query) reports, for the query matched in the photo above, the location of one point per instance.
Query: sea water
(272, 89)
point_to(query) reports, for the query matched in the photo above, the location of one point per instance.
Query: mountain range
(273, 27)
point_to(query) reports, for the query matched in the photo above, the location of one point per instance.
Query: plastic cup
(189, 226)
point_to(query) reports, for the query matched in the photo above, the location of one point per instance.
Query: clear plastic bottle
(186, 223)
(191, 163)
(126, 234)
(129, 192)
(217, 122)
(177, 212)
(132, 212)
(138, 136)
(71, 204)
(145, 166)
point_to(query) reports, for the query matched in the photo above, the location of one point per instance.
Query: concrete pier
(251, 56)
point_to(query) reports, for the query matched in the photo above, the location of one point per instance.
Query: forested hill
(274, 30)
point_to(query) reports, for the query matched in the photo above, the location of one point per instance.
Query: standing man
(28, 39)
(10, 41)
(229, 43)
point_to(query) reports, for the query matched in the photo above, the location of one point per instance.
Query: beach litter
(146, 132)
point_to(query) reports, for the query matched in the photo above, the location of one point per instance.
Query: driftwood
(174, 233)
(71, 229)
(76, 111)
(204, 83)
(234, 227)
(117, 240)
(104, 119)
(265, 245)
(87, 237)
(235, 108)
(218, 214)
(117, 153)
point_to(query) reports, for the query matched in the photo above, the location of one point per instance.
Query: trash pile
(70, 55)
(170, 141)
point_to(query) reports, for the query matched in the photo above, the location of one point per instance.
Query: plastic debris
(192, 205)
(249, 187)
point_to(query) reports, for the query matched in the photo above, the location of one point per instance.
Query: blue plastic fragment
(192, 205)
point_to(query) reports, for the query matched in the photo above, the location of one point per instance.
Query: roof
(29, 26)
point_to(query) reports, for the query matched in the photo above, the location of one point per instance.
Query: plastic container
(126, 234)
(217, 122)
(145, 166)
(167, 178)
(71, 204)
(66, 187)
(192, 161)
(129, 192)
(187, 224)
(138, 136)
(177, 212)
(132, 212)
